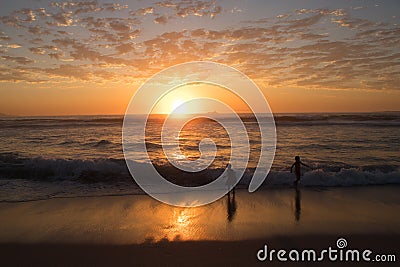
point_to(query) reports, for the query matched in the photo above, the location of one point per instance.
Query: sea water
(69, 156)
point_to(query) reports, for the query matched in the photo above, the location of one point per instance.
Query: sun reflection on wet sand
(179, 224)
(138, 219)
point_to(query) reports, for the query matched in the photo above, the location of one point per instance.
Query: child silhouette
(297, 168)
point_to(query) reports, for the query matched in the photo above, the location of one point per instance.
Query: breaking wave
(13, 166)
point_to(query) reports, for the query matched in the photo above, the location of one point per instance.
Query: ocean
(73, 156)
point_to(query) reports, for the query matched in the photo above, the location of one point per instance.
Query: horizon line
(204, 113)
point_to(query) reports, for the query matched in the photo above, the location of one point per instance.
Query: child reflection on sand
(231, 179)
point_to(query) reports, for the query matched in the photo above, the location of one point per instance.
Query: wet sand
(137, 230)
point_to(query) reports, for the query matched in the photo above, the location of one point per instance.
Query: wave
(68, 142)
(106, 118)
(342, 178)
(372, 119)
(32, 179)
(103, 143)
(31, 190)
(50, 122)
(112, 171)
(97, 170)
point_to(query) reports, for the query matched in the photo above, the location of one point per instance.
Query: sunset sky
(89, 57)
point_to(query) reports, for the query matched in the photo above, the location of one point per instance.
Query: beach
(199, 133)
(135, 230)
(188, 253)
(68, 199)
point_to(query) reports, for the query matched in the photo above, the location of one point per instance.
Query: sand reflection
(243, 216)
(297, 204)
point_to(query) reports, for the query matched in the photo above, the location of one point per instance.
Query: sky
(90, 57)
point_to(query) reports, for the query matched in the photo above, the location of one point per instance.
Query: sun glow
(175, 106)
(174, 101)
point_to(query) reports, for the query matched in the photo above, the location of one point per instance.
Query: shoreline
(240, 188)
(137, 230)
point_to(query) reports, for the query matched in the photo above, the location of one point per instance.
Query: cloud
(308, 48)
(312, 36)
(235, 10)
(183, 9)
(18, 75)
(29, 15)
(112, 29)
(62, 19)
(37, 30)
(41, 11)
(104, 35)
(161, 20)
(57, 55)
(19, 17)
(94, 22)
(114, 7)
(124, 48)
(119, 26)
(70, 71)
(64, 42)
(83, 52)
(142, 11)
(9, 20)
(13, 46)
(18, 60)
(304, 22)
(4, 37)
(36, 40)
(37, 50)
(354, 23)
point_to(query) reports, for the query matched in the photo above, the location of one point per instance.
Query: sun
(179, 100)
(175, 106)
